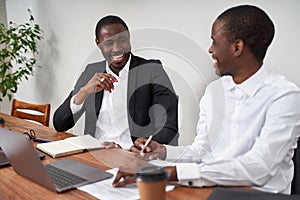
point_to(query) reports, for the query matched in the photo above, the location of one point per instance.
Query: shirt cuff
(74, 108)
(174, 152)
(188, 174)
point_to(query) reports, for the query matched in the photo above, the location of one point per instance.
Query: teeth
(117, 57)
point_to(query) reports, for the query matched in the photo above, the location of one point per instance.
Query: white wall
(177, 33)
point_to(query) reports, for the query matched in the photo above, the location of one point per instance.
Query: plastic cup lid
(151, 174)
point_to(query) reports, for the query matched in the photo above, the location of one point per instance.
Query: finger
(142, 153)
(118, 146)
(143, 156)
(109, 77)
(119, 175)
(139, 142)
(103, 85)
(153, 156)
(135, 149)
(148, 149)
(126, 176)
(107, 82)
(108, 85)
(126, 180)
(96, 83)
(108, 145)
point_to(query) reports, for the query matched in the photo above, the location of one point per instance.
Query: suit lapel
(132, 82)
(98, 100)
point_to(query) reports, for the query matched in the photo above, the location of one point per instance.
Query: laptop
(5, 163)
(26, 162)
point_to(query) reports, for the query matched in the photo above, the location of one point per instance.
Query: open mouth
(215, 62)
(117, 58)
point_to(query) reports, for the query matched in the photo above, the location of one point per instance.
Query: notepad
(70, 146)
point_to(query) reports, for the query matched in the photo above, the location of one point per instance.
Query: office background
(177, 32)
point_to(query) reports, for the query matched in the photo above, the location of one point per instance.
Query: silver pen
(146, 144)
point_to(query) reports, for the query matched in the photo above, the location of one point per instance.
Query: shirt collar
(123, 71)
(249, 86)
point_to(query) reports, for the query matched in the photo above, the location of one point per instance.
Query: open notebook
(70, 146)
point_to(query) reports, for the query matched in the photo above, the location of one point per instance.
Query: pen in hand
(145, 145)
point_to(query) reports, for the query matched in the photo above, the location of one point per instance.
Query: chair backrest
(41, 112)
(296, 179)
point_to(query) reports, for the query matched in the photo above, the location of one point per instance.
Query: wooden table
(13, 186)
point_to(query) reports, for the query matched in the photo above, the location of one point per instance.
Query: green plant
(19, 48)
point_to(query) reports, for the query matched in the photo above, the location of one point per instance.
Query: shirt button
(190, 183)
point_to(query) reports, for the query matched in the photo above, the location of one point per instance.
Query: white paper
(105, 191)
(85, 141)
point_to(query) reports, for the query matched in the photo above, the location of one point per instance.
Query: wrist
(163, 152)
(80, 96)
(172, 173)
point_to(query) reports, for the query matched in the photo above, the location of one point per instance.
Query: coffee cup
(151, 182)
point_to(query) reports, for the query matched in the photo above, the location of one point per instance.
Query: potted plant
(19, 49)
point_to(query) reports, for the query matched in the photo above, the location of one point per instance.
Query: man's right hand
(100, 81)
(152, 151)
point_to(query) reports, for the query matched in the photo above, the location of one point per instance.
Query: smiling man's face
(114, 42)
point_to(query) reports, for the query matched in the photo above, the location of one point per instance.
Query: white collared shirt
(245, 135)
(112, 123)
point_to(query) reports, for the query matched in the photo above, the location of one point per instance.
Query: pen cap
(151, 174)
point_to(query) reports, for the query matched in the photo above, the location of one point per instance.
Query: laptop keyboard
(62, 178)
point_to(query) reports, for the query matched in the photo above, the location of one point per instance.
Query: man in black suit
(100, 93)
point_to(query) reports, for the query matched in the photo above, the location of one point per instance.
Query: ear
(239, 46)
(97, 42)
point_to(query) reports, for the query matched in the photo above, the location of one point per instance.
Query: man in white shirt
(119, 96)
(249, 119)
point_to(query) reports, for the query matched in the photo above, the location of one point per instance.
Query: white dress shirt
(246, 135)
(112, 123)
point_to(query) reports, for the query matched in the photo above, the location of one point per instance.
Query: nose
(116, 47)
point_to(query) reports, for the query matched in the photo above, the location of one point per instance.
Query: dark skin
(152, 151)
(114, 43)
(230, 58)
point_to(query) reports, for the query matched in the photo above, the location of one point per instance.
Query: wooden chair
(37, 112)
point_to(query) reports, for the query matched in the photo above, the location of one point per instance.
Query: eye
(122, 39)
(107, 43)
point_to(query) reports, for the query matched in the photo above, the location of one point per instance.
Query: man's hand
(110, 145)
(100, 81)
(172, 173)
(123, 178)
(153, 150)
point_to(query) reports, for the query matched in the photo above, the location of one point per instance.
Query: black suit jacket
(152, 102)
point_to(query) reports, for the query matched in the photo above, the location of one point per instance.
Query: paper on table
(105, 191)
